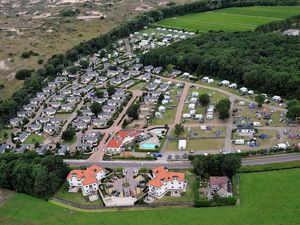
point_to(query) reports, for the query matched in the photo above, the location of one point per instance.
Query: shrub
(23, 74)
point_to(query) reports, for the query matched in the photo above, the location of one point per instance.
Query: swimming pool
(147, 146)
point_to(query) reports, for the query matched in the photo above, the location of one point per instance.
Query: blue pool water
(147, 146)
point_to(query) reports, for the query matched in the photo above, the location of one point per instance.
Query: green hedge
(220, 202)
(134, 158)
(270, 167)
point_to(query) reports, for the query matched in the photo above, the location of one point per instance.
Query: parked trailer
(239, 142)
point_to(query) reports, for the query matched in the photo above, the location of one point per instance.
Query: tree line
(57, 63)
(266, 62)
(31, 174)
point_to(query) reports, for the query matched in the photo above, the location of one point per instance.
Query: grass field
(231, 19)
(169, 115)
(198, 144)
(269, 198)
(75, 197)
(33, 138)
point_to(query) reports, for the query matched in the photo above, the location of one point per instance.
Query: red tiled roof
(118, 139)
(87, 176)
(220, 181)
(162, 174)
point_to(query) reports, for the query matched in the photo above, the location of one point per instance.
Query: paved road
(180, 165)
(180, 106)
(234, 96)
(98, 155)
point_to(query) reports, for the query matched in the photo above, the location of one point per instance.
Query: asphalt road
(182, 164)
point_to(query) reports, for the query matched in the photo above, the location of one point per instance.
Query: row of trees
(267, 62)
(31, 174)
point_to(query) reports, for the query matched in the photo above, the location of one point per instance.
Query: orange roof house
(161, 175)
(122, 137)
(87, 176)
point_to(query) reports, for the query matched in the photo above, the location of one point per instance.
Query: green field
(269, 198)
(231, 19)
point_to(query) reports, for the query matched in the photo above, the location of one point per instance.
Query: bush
(23, 74)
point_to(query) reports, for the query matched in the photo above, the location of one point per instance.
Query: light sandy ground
(41, 16)
(71, 1)
(11, 76)
(3, 65)
(162, 3)
(143, 7)
(91, 15)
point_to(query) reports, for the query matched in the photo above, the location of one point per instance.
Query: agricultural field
(231, 19)
(264, 200)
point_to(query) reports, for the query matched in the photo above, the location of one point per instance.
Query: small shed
(182, 144)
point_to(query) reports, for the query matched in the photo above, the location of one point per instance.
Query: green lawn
(231, 19)
(33, 138)
(198, 144)
(269, 198)
(189, 195)
(2, 134)
(76, 197)
(70, 142)
(169, 115)
(138, 86)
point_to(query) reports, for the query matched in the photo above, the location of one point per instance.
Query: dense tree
(216, 165)
(266, 62)
(99, 93)
(111, 90)
(68, 134)
(292, 103)
(179, 129)
(73, 69)
(96, 108)
(31, 174)
(133, 111)
(293, 112)
(23, 74)
(260, 99)
(84, 64)
(223, 107)
(204, 99)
